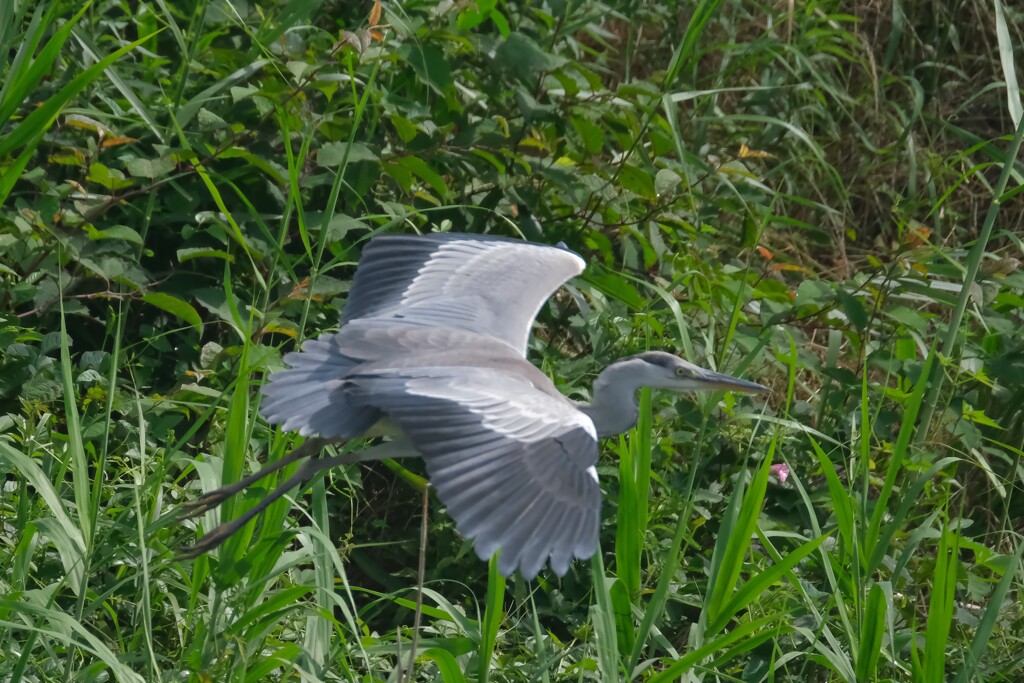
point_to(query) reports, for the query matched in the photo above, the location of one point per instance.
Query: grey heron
(432, 349)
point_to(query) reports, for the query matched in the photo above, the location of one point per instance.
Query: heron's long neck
(614, 409)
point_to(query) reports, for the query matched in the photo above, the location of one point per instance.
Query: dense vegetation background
(820, 195)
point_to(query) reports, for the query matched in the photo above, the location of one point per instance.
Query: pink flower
(780, 471)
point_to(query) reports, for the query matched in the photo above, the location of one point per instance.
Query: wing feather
(310, 396)
(487, 285)
(509, 461)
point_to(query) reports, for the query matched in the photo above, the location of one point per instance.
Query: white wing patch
(491, 287)
(489, 267)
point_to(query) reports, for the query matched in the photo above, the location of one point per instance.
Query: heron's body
(433, 341)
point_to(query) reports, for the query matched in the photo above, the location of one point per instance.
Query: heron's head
(665, 371)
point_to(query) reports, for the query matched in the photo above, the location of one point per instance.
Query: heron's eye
(680, 372)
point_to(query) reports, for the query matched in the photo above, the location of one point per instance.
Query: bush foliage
(823, 196)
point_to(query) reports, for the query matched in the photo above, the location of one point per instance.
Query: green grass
(827, 201)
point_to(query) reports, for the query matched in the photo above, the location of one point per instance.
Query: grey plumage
(432, 349)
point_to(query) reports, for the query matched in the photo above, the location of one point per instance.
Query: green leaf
(270, 169)
(405, 128)
(812, 293)
(110, 178)
(176, 307)
(446, 663)
(77, 458)
(667, 181)
(188, 110)
(333, 154)
(424, 172)
(590, 134)
(1007, 49)
(613, 285)
(524, 58)
(853, 308)
(637, 180)
(431, 64)
(475, 13)
(191, 253)
(114, 232)
(150, 168)
(978, 417)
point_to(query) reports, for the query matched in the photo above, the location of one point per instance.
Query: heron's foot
(206, 543)
(214, 498)
(208, 501)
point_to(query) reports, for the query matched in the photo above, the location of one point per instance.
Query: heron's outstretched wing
(491, 286)
(514, 465)
(309, 396)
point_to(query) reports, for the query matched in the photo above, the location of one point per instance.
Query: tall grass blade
(29, 132)
(941, 607)
(634, 492)
(627, 546)
(753, 632)
(974, 259)
(899, 519)
(80, 475)
(65, 534)
(58, 627)
(993, 612)
(759, 583)
(899, 451)
(602, 616)
(840, 500)
(494, 612)
(655, 606)
(733, 542)
(123, 87)
(623, 607)
(871, 634)
(30, 66)
(446, 664)
(1006, 49)
(686, 52)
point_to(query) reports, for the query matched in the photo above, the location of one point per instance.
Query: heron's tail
(310, 397)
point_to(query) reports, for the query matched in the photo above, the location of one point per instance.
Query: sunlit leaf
(150, 168)
(176, 307)
(116, 142)
(748, 153)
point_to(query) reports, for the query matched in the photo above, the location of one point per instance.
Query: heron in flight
(432, 350)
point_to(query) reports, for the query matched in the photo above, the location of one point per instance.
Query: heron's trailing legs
(310, 468)
(212, 499)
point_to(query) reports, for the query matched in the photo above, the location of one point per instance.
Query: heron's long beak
(716, 381)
